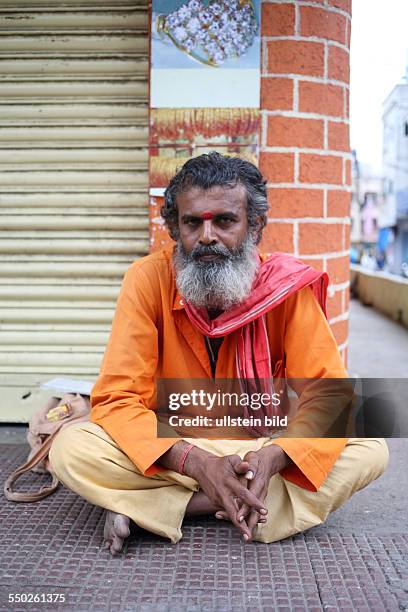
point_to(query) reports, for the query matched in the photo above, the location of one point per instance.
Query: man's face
(216, 216)
(215, 259)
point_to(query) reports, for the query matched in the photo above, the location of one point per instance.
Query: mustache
(215, 249)
(215, 284)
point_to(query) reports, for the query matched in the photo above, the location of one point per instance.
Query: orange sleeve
(125, 387)
(311, 352)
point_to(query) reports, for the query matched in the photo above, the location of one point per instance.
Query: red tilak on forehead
(207, 215)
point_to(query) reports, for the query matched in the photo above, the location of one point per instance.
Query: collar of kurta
(179, 303)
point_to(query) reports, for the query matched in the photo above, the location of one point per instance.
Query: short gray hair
(213, 170)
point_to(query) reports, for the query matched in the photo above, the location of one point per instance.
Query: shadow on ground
(356, 561)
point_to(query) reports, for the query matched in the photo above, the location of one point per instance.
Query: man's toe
(122, 529)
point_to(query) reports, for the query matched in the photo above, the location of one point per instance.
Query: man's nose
(207, 232)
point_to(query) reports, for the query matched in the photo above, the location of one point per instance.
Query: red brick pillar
(305, 153)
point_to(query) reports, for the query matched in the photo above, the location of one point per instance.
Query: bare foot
(117, 529)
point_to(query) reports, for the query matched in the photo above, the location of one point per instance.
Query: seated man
(212, 307)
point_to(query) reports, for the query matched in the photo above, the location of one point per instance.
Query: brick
(322, 23)
(339, 136)
(334, 305)
(317, 264)
(340, 331)
(348, 33)
(277, 237)
(277, 167)
(296, 57)
(278, 19)
(276, 93)
(344, 5)
(338, 203)
(347, 103)
(348, 171)
(293, 132)
(346, 242)
(338, 269)
(346, 299)
(296, 202)
(315, 238)
(339, 64)
(321, 169)
(320, 98)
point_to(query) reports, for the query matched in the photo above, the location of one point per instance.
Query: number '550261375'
(36, 597)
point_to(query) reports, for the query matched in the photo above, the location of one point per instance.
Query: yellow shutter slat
(73, 183)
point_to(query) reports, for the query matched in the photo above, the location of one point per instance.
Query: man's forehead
(207, 201)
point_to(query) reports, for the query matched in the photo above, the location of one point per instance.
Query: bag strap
(26, 467)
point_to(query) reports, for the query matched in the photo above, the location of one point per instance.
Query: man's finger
(242, 527)
(243, 512)
(250, 499)
(247, 469)
(258, 489)
(231, 508)
(252, 458)
(242, 467)
(252, 522)
(222, 515)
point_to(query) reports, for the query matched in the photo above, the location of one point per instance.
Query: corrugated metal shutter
(73, 183)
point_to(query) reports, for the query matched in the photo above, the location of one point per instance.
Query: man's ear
(256, 229)
(173, 230)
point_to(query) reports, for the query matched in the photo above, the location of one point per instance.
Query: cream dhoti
(87, 461)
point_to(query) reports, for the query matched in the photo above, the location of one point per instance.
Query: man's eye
(225, 220)
(192, 222)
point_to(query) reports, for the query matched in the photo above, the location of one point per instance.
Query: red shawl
(277, 278)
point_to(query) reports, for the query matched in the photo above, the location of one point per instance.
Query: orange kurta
(152, 337)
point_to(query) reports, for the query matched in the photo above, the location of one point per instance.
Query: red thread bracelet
(184, 457)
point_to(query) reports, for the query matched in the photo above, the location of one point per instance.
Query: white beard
(217, 284)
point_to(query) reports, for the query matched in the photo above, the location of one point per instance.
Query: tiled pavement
(356, 561)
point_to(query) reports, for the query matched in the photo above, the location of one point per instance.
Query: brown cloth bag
(44, 426)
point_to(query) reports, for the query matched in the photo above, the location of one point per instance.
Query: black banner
(295, 408)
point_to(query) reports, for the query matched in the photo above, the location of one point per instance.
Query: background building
(395, 170)
(366, 205)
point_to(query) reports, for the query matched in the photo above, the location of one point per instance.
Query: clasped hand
(238, 487)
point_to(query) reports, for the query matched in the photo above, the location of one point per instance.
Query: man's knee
(66, 449)
(380, 456)
(371, 458)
